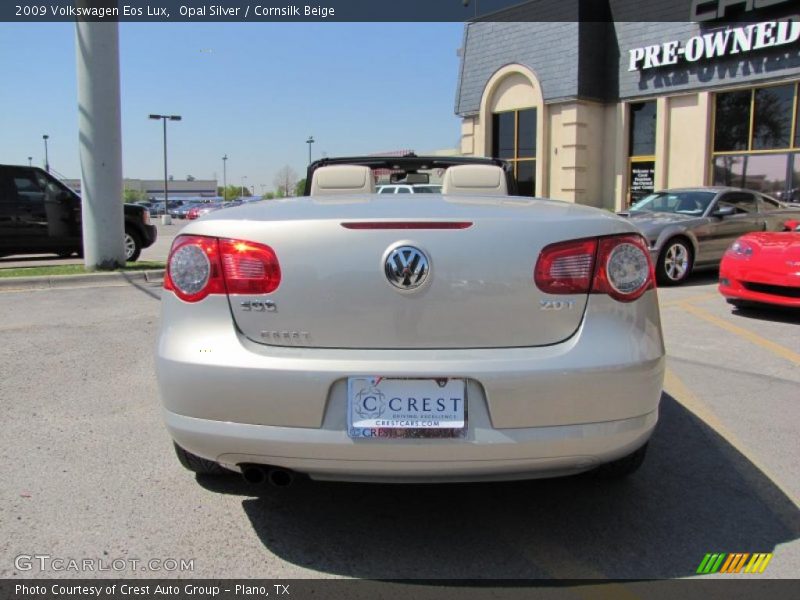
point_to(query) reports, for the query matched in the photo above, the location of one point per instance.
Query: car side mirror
(724, 211)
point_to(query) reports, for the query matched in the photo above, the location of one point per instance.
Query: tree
(232, 191)
(300, 187)
(285, 181)
(129, 195)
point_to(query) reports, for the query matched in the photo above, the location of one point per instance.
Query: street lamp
(224, 178)
(242, 192)
(164, 119)
(309, 141)
(45, 137)
(30, 161)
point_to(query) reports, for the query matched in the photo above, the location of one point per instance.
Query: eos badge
(258, 305)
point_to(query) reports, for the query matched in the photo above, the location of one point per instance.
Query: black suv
(40, 215)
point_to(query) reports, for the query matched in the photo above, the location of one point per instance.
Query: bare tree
(285, 180)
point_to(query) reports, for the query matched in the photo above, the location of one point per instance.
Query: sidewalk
(43, 282)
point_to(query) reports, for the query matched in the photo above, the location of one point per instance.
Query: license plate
(379, 407)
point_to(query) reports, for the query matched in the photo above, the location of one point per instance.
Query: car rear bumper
(150, 235)
(486, 454)
(540, 411)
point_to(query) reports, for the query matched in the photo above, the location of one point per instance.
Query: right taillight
(199, 266)
(624, 269)
(618, 265)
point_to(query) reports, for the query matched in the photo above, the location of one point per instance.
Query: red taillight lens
(617, 265)
(249, 268)
(199, 266)
(624, 269)
(566, 267)
(193, 269)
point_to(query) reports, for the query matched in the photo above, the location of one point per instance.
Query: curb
(44, 282)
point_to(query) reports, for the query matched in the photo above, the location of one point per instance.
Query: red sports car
(763, 268)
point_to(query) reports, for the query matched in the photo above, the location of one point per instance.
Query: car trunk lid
(478, 291)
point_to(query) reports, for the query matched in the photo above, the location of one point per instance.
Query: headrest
(342, 179)
(487, 180)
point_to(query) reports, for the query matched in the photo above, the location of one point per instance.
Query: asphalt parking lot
(89, 470)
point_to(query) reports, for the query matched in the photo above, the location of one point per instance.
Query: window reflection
(762, 172)
(772, 120)
(514, 139)
(503, 135)
(732, 121)
(526, 178)
(643, 129)
(527, 134)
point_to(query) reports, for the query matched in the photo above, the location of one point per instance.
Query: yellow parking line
(695, 298)
(751, 337)
(686, 398)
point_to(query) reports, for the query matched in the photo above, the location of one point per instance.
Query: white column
(100, 143)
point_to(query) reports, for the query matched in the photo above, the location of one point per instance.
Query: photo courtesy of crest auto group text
(359, 300)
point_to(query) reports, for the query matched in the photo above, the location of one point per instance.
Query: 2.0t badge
(406, 267)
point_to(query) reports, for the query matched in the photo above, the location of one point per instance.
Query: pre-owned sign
(709, 10)
(724, 42)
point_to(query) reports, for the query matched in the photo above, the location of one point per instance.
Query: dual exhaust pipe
(261, 474)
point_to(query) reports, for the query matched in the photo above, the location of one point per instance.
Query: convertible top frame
(411, 163)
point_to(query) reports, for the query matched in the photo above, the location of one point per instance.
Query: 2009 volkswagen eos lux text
(468, 335)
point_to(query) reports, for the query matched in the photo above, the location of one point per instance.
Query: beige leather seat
(342, 179)
(483, 180)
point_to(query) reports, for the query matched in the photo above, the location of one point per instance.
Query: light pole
(224, 178)
(242, 192)
(30, 161)
(45, 137)
(309, 141)
(164, 119)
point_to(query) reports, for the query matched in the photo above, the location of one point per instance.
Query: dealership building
(607, 107)
(154, 188)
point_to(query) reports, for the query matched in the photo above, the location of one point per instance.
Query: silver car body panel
(479, 292)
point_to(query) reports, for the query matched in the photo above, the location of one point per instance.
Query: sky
(253, 91)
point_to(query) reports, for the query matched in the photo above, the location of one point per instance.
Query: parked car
(763, 268)
(199, 210)
(395, 188)
(410, 339)
(691, 228)
(180, 212)
(40, 215)
(203, 209)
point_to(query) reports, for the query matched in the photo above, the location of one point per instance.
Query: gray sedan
(691, 228)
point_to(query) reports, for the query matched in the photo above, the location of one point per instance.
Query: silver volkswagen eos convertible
(462, 336)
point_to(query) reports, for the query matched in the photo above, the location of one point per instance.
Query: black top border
(285, 11)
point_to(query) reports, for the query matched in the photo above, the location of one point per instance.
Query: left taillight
(199, 266)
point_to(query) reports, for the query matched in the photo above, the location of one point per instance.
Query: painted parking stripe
(676, 388)
(695, 298)
(751, 337)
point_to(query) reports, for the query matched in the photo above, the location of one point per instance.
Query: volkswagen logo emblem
(406, 267)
